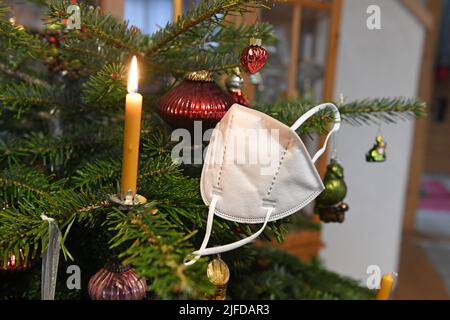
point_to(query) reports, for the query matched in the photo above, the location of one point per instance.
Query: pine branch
(17, 39)
(21, 225)
(36, 147)
(23, 76)
(19, 231)
(96, 175)
(19, 183)
(104, 28)
(368, 111)
(382, 110)
(106, 88)
(206, 10)
(20, 97)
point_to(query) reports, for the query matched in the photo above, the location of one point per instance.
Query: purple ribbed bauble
(120, 283)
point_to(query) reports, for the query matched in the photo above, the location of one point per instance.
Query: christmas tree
(62, 103)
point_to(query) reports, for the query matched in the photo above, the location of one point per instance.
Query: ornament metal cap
(234, 83)
(255, 42)
(202, 75)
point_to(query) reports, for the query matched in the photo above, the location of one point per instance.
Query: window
(148, 15)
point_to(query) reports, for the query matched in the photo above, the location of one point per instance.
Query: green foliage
(61, 144)
(36, 148)
(273, 274)
(20, 97)
(152, 237)
(106, 88)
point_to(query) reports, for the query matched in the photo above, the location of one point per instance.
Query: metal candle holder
(127, 202)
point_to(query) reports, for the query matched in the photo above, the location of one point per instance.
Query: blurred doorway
(433, 215)
(426, 239)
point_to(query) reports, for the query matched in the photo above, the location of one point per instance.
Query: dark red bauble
(15, 263)
(118, 283)
(254, 57)
(197, 98)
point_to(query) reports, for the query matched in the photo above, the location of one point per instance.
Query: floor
(424, 271)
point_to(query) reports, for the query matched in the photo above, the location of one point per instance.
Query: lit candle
(387, 282)
(133, 110)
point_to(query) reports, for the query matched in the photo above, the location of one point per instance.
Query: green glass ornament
(335, 187)
(378, 152)
(330, 205)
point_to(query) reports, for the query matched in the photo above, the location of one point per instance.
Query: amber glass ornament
(254, 57)
(196, 98)
(117, 283)
(219, 275)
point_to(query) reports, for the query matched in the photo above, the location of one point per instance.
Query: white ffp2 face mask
(257, 170)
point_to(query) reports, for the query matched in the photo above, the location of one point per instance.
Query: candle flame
(133, 76)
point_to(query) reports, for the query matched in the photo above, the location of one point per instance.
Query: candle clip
(127, 202)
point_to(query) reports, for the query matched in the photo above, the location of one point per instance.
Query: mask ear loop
(312, 112)
(203, 251)
(209, 223)
(334, 154)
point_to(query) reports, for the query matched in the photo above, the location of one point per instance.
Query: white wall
(380, 63)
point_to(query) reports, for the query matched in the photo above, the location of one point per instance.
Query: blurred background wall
(374, 63)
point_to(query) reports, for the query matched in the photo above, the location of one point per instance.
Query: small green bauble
(378, 151)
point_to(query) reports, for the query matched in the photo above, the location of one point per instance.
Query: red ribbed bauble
(196, 98)
(254, 57)
(15, 263)
(117, 283)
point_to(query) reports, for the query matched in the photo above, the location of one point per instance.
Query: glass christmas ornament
(196, 98)
(378, 151)
(219, 275)
(330, 205)
(117, 283)
(254, 57)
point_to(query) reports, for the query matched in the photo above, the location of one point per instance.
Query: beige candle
(133, 110)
